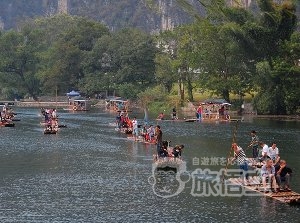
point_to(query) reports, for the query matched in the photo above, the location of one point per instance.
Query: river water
(88, 172)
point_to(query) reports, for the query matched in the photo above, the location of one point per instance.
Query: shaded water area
(88, 172)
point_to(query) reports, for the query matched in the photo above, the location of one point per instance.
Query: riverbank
(43, 104)
(279, 117)
(49, 102)
(187, 111)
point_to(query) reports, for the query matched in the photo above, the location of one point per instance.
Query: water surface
(88, 172)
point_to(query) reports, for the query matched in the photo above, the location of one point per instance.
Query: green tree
(238, 52)
(166, 64)
(173, 52)
(289, 68)
(277, 73)
(135, 52)
(186, 54)
(61, 69)
(280, 94)
(63, 63)
(215, 54)
(208, 51)
(124, 58)
(165, 74)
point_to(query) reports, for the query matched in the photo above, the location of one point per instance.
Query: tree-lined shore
(229, 52)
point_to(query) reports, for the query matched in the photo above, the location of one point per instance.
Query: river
(88, 172)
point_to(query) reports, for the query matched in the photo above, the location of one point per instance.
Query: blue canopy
(73, 93)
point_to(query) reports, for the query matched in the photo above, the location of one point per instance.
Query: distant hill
(116, 14)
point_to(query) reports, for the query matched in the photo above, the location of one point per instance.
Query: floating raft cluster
(254, 184)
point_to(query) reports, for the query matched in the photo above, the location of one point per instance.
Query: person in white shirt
(268, 172)
(135, 130)
(273, 153)
(54, 114)
(264, 152)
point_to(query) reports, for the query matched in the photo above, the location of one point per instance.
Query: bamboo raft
(7, 124)
(136, 139)
(254, 184)
(168, 164)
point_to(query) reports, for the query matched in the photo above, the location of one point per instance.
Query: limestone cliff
(165, 14)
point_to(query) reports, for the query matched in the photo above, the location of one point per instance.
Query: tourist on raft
(240, 157)
(118, 120)
(264, 152)
(177, 151)
(273, 153)
(268, 173)
(150, 133)
(283, 175)
(161, 116)
(199, 113)
(164, 149)
(135, 128)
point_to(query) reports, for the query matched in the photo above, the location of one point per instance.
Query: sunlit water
(88, 172)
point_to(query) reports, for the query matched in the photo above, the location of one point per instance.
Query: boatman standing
(240, 157)
(158, 135)
(254, 143)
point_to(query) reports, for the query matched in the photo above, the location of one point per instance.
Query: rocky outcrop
(164, 15)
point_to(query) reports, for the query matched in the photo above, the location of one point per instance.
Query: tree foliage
(61, 53)
(124, 58)
(238, 51)
(228, 51)
(277, 85)
(19, 60)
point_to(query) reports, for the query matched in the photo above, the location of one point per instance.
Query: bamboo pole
(234, 132)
